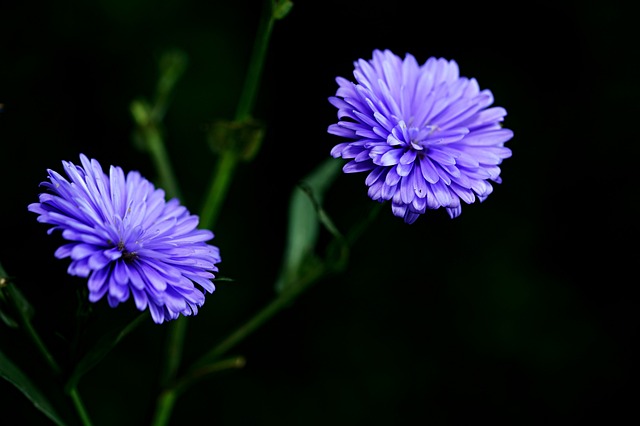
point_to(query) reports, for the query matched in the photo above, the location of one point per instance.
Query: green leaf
(304, 220)
(3, 275)
(107, 342)
(281, 9)
(5, 306)
(10, 372)
(10, 322)
(11, 299)
(243, 137)
(20, 302)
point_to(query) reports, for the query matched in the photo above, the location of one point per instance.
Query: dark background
(522, 311)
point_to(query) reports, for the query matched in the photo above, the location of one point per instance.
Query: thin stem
(254, 73)
(291, 292)
(149, 122)
(218, 187)
(220, 182)
(175, 343)
(253, 324)
(164, 406)
(17, 300)
(177, 328)
(160, 158)
(156, 146)
(77, 402)
(228, 159)
(266, 313)
(31, 332)
(41, 346)
(209, 363)
(200, 373)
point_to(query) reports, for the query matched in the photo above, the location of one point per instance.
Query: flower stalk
(280, 302)
(224, 170)
(22, 309)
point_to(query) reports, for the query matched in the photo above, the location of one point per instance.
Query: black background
(520, 311)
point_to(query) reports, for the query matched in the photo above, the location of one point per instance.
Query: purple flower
(425, 135)
(128, 240)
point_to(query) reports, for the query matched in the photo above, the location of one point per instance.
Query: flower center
(419, 136)
(127, 255)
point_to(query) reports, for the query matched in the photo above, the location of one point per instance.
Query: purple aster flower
(425, 135)
(128, 240)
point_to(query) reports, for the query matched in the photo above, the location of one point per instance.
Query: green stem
(15, 298)
(161, 161)
(40, 345)
(149, 122)
(77, 402)
(228, 159)
(164, 406)
(21, 308)
(209, 363)
(177, 328)
(175, 343)
(200, 373)
(254, 73)
(218, 187)
(220, 183)
(155, 145)
(281, 301)
(168, 397)
(291, 292)
(253, 324)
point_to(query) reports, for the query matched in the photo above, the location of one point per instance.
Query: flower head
(425, 135)
(128, 240)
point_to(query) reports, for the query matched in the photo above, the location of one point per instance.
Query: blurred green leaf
(11, 299)
(5, 314)
(281, 8)
(107, 342)
(20, 302)
(5, 307)
(7, 319)
(141, 112)
(244, 137)
(304, 220)
(10, 372)
(172, 66)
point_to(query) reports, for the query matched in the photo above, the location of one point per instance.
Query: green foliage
(14, 375)
(305, 218)
(242, 138)
(281, 8)
(106, 343)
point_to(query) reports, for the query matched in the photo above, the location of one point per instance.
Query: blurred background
(522, 311)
